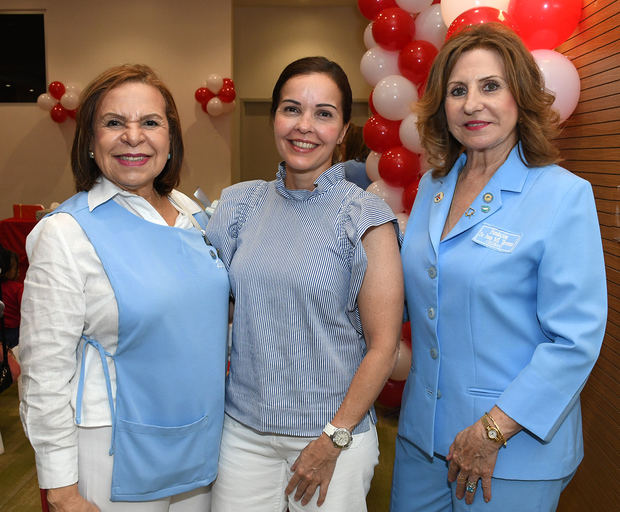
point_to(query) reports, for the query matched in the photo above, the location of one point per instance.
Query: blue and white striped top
(296, 266)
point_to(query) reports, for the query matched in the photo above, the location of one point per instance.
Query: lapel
(510, 176)
(441, 200)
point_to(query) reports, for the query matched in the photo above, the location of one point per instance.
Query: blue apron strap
(108, 382)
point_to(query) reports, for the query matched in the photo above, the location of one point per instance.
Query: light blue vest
(172, 293)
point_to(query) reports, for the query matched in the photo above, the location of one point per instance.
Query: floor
(19, 491)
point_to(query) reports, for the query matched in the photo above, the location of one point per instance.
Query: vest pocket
(151, 462)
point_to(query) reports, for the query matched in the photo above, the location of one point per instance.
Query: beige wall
(184, 40)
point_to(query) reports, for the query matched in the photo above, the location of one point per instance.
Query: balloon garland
(217, 95)
(402, 40)
(61, 101)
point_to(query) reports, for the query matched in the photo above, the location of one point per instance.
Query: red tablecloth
(13, 233)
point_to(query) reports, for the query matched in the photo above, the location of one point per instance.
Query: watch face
(341, 438)
(492, 434)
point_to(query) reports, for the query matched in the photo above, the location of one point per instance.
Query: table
(13, 233)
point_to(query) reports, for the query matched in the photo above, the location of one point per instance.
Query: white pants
(95, 479)
(255, 468)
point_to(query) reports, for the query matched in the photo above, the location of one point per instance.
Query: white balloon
(214, 83)
(450, 9)
(429, 26)
(73, 87)
(46, 101)
(378, 63)
(215, 107)
(561, 79)
(369, 41)
(413, 5)
(70, 100)
(393, 196)
(408, 133)
(393, 96)
(372, 166)
(402, 219)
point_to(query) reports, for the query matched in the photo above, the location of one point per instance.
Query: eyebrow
(479, 79)
(322, 105)
(121, 116)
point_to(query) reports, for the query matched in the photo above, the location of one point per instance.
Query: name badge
(496, 239)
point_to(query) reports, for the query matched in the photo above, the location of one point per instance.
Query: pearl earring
(91, 154)
(168, 156)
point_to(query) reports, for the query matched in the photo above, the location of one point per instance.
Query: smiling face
(131, 137)
(308, 124)
(480, 109)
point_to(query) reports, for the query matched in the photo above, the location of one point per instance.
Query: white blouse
(67, 294)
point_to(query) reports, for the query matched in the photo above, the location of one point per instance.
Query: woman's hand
(68, 499)
(313, 468)
(473, 455)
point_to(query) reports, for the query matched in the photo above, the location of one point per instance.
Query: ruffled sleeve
(363, 211)
(230, 215)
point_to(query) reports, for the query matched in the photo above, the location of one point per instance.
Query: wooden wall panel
(590, 145)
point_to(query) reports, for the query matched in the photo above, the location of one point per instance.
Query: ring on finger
(471, 486)
(461, 478)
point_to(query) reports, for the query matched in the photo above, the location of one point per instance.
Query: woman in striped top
(317, 284)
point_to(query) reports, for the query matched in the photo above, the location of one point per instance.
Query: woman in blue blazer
(505, 288)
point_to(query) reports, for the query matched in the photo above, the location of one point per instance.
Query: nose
(304, 122)
(473, 102)
(133, 134)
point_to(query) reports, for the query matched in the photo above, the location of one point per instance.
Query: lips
(476, 125)
(303, 144)
(132, 159)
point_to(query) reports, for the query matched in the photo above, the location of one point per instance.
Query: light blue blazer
(508, 310)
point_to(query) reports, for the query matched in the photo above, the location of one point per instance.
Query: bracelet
(500, 436)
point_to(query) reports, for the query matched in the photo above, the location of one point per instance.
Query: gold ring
(471, 486)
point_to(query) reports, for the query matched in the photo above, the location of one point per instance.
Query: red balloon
(371, 105)
(415, 59)
(405, 333)
(477, 16)
(227, 82)
(398, 166)
(71, 113)
(391, 394)
(393, 28)
(227, 94)
(370, 8)
(56, 89)
(545, 25)
(409, 194)
(58, 113)
(381, 134)
(203, 95)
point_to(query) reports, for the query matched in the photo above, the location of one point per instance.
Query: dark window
(22, 58)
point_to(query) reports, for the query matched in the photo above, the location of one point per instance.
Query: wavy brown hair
(537, 123)
(85, 169)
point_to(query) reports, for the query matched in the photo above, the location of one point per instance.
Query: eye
(290, 109)
(491, 86)
(457, 91)
(326, 114)
(112, 123)
(152, 123)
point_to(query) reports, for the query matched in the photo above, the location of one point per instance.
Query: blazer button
(434, 353)
(431, 313)
(432, 272)
(438, 393)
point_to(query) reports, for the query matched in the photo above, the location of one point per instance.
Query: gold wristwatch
(493, 431)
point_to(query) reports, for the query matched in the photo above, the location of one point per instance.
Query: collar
(103, 190)
(322, 184)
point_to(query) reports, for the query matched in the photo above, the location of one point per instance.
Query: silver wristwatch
(341, 437)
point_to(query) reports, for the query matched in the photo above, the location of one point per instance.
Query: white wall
(184, 40)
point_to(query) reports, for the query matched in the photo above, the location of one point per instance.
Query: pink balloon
(414, 6)
(369, 41)
(402, 219)
(561, 79)
(378, 63)
(215, 107)
(393, 196)
(429, 26)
